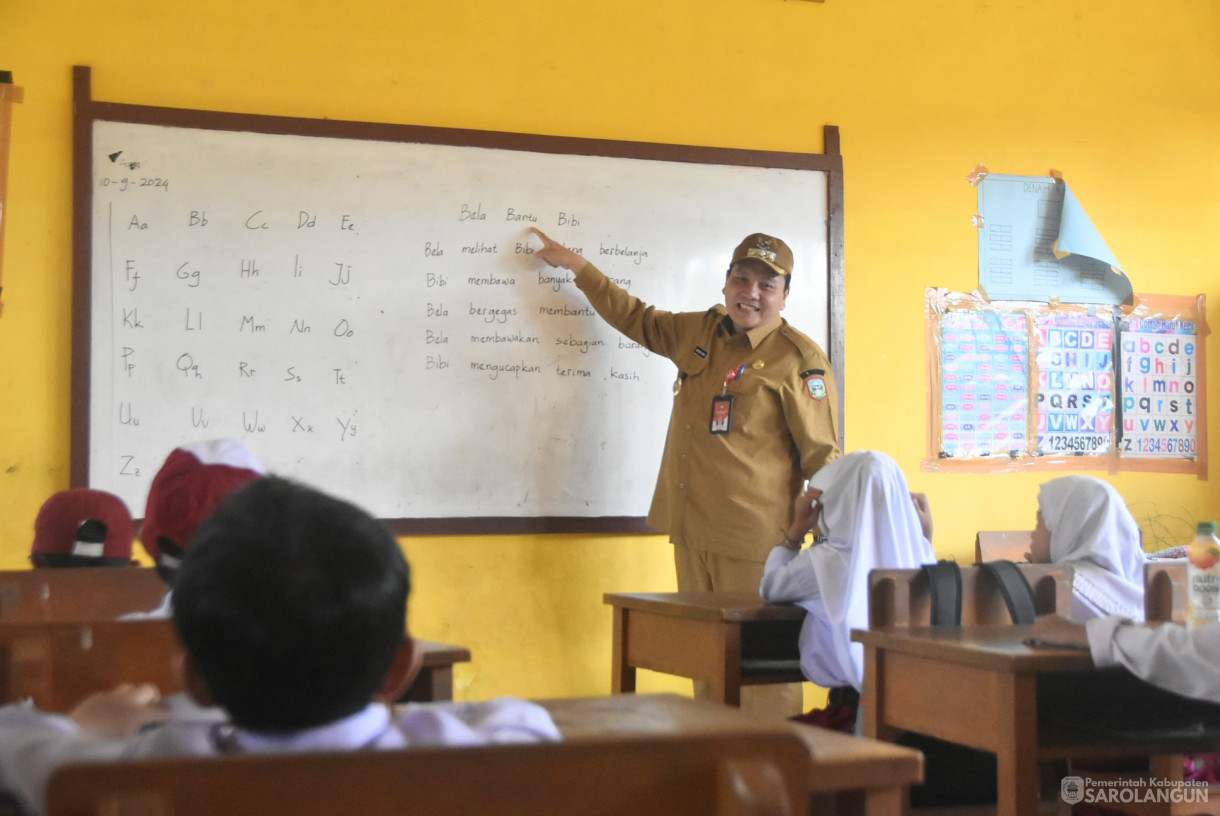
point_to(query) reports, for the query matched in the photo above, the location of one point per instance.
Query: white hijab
(869, 522)
(1092, 530)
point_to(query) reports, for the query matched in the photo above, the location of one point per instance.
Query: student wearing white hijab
(1084, 522)
(862, 504)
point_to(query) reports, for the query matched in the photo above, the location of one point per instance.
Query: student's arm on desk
(1055, 631)
(121, 712)
(1169, 656)
(34, 743)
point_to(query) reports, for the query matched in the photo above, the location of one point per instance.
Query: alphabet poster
(1021, 385)
(984, 392)
(1158, 385)
(1075, 384)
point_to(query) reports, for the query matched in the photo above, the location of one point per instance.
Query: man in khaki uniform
(753, 417)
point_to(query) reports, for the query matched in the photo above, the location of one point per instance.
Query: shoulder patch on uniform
(811, 350)
(816, 388)
(812, 371)
(701, 351)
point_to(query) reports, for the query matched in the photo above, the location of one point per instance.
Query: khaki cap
(771, 251)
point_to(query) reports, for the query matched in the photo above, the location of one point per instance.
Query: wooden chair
(1001, 545)
(79, 594)
(732, 773)
(59, 664)
(903, 597)
(1165, 587)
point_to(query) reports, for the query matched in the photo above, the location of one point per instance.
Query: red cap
(62, 527)
(188, 487)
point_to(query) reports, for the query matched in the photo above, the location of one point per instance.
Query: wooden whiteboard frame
(87, 110)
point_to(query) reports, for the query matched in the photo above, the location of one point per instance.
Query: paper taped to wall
(1037, 243)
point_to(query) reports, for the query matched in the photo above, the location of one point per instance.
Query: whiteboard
(367, 315)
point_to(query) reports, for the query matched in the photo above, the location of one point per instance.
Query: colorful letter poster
(1075, 384)
(984, 396)
(1158, 371)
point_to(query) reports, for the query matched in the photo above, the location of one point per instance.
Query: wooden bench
(757, 768)
(647, 754)
(78, 594)
(903, 597)
(847, 775)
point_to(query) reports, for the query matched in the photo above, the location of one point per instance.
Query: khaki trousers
(700, 571)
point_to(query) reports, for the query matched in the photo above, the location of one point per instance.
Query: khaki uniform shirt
(730, 494)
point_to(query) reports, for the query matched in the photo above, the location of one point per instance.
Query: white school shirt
(34, 743)
(1169, 656)
(164, 610)
(869, 522)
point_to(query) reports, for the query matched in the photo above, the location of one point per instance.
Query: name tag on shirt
(722, 414)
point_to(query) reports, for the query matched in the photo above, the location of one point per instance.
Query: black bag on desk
(955, 774)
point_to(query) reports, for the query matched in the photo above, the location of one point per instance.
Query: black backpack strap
(1014, 586)
(945, 583)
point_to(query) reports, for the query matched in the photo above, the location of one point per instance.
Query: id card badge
(722, 414)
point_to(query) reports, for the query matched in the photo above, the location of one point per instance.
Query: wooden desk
(435, 679)
(59, 664)
(729, 639)
(982, 687)
(78, 594)
(860, 776)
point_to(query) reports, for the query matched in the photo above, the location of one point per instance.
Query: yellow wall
(1119, 95)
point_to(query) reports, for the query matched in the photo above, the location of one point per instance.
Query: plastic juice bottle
(1204, 569)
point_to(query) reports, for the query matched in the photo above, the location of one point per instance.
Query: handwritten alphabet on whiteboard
(371, 317)
(476, 328)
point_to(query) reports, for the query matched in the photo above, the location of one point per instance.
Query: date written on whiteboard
(122, 184)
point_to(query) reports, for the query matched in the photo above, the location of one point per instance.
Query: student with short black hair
(284, 585)
(291, 608)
